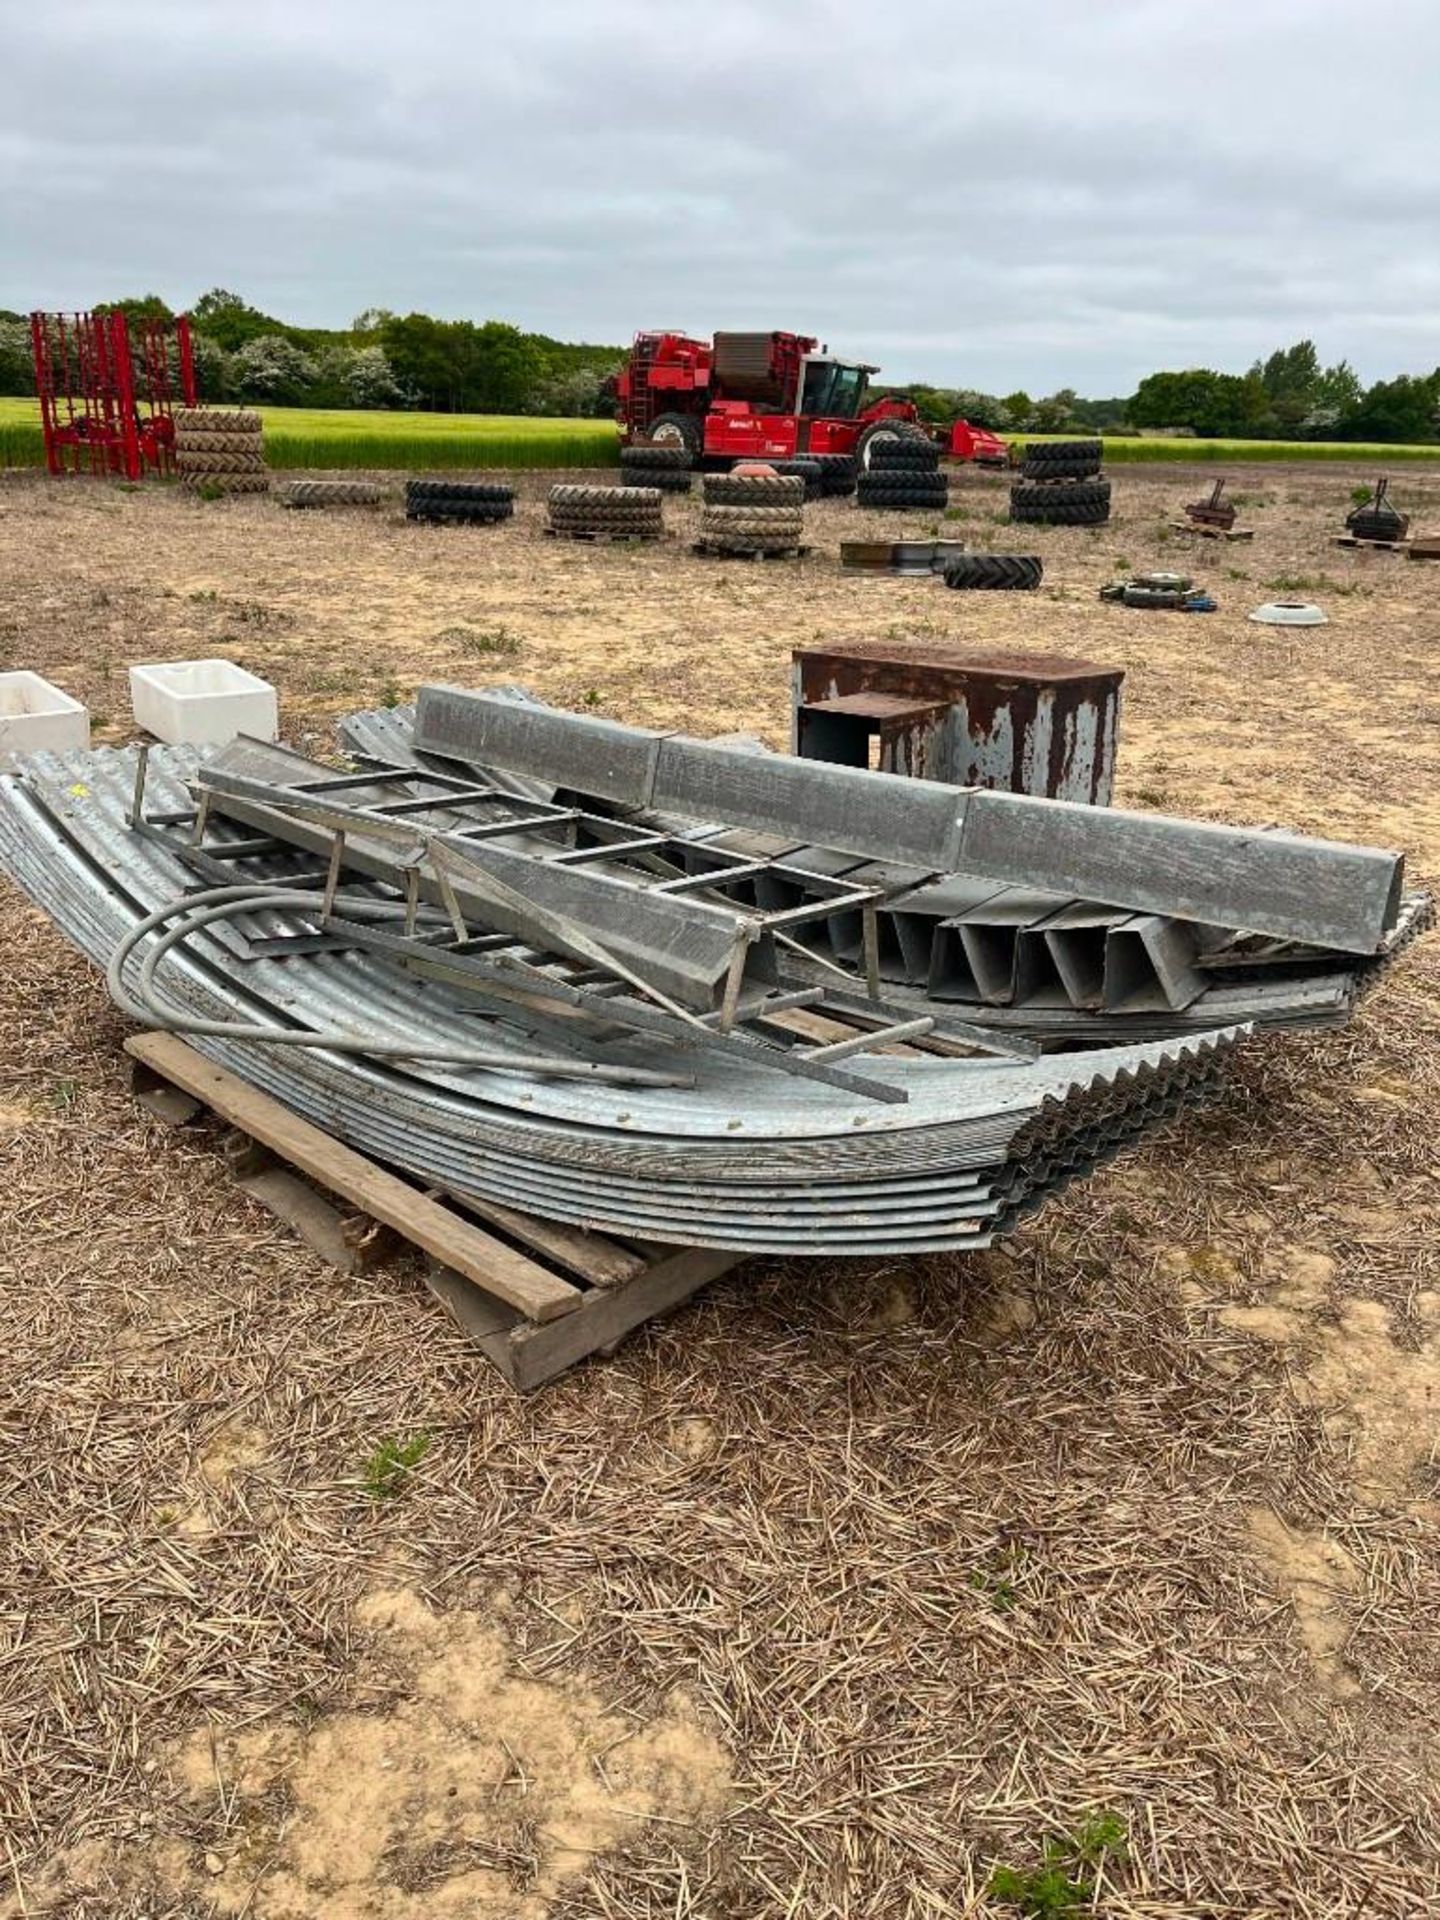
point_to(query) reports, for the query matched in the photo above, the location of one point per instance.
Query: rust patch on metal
(1037, 723)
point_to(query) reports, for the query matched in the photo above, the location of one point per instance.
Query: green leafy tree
(1016, 409)
(231, 320)
(1402, 411)
(148, 306)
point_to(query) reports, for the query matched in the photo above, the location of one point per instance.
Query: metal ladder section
(310, 826)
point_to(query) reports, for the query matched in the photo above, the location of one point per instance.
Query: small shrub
(498, 642)
(1068, 1872)
(209, 490)
(390, 693)
(1361, 496)
(390, 1466)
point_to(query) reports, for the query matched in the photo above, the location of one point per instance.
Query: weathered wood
(156, 1094)
(479, 1256)
(528, 1356)
(604, 1263)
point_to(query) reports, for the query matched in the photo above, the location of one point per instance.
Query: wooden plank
(350, 1243)
(486, 1261)
(603, 1318)
(528, 1355)
(604, 1263)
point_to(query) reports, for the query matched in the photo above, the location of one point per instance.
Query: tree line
(386, 359)
(1288, 396)
(382, 359)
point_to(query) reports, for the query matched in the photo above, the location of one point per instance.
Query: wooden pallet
(600, 535)
(536, 1295)
(713, 552)
(1212, 533)
(1425, 546)
(1377, 546)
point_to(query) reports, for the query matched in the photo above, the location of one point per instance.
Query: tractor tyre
(904, 456)
(884, 491)
(188, 441)
(460, 513)
(1075, 466)
(994, 572)
(664, 479)
(1063, 454)
(648, 457)
(200, 420)
(331, 493)
(753, 490)
(189, 461)
(577, 496)
(883, 433)
(803, 469)
(479, 492)
(226, 482)
(678, 430)
(753, 526)
(837, 473)
(1068, 503)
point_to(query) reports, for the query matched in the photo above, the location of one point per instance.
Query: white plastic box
(35, 716)
(202, 703)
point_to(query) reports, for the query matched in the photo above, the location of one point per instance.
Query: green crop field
(316, 438)
(312, 437)
(1123, 449)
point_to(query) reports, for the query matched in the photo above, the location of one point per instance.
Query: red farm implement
(747, 396)
(108, 393)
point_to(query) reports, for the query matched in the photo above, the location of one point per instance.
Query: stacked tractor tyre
(663, 467)
(1060, 485)
(753, 512)
(902, 473)
(601, 513)
(469, 503)
(220, 450)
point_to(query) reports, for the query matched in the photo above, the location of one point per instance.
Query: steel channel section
(924, 952)
(1325, 892)
(96, 877)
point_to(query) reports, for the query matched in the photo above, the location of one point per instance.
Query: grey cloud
(1049, 194)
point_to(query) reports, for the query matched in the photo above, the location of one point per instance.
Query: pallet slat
(483, 1260)
(530, 1355)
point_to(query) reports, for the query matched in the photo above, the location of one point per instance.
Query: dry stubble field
(850, 1582)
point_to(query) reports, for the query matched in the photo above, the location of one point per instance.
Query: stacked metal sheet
(761, 1141)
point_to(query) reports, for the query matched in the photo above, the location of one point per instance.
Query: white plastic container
(202, 703)
(35, 716)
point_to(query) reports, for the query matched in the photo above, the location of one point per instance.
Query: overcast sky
(1023, 193)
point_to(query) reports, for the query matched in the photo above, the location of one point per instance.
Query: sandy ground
(850, 1583)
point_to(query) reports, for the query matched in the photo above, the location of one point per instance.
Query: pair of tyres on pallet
(472, 503)
(1068, 503)
(220, 450)
(744, 529)
(330, 493)
(619, 511)
(994, 572)
(753, 490)
(1047, 460)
